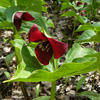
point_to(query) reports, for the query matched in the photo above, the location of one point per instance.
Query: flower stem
(73, 31)
(53, 87)
(23, 88)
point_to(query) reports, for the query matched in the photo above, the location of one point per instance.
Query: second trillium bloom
(20, 16)
(47, 46)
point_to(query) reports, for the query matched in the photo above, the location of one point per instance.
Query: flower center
(45, 45)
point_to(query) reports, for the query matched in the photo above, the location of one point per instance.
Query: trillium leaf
(90, 94)
(78, 52)
(89, 36)
(84, 27)
(73, 13)
(67, 69)
(6, 25)
(29, 70)
(95, 38)
(31, 5)
(69, 13)
(86, 35)
(7, 3)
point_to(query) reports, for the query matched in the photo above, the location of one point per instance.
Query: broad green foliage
(26, 72)
(88, 26)
(48, 22)
(6, 25)
(7, 3)
(89, 36)
(78, 52)
(90, 94)
(29, 5)
(9, 58)
(65, 4)
(86, 35)
(72, 13)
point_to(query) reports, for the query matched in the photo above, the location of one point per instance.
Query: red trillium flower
(79, 3)
(19, 16)
(83, 12)
(47, 46)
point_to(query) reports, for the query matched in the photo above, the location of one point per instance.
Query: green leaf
(7, 74)
(44, 9)
(31, 5)
(42, 98)
(6, 25)
(78, 52)
(69, 13)
(86, 35)
(87, 1)
(7, 3)
(2, 10)
(9, 58)
(65, 5)
(90, 94)
(95, 38)
(48, 22)
(73, 13)
(84, 19)
(80, 83)
(84, 27)
(66, 69)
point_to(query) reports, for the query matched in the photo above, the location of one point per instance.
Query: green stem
(74, 27)
(53, 87)
(23, 88)
(73, 31)
(55, 11)
(56, 64)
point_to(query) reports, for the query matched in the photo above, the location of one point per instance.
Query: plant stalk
(53, 87)
(23, 88)
(73, 31)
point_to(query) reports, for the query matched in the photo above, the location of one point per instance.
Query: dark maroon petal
(27, 17)
(43, 56)
(35, 35)
(59, 48)
(17, 23)
(18, 15)
(79, 3)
